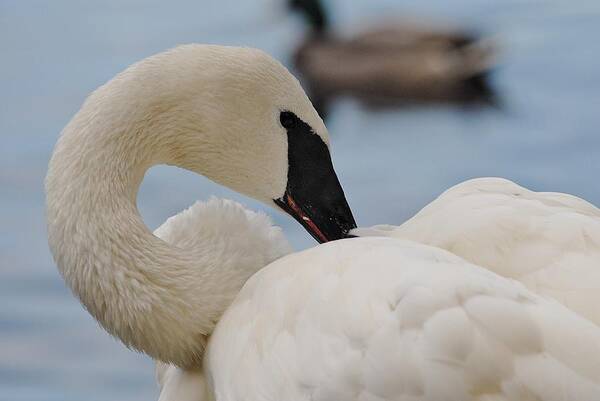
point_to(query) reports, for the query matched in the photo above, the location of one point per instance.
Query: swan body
(548, 241)
(394, 319)
(389, 319)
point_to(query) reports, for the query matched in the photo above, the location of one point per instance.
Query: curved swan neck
(156, 298)
(213, 110)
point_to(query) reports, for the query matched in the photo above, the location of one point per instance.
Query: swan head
(248, 124)
(234, 115)
(238, 117)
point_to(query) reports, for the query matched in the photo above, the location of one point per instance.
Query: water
(391, 163)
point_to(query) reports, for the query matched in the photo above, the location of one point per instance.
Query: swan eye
(288, 119)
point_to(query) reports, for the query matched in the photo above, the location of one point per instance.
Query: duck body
(393, 64)
(389, 319)
(384, 73)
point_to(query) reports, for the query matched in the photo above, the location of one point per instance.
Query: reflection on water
(391, 163)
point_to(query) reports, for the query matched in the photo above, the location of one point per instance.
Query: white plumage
(240, 238)
(187, 107)
(227, 228)
(548, 241)
(393, 319)
(387, 319)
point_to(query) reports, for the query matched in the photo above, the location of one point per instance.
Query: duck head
(314, 12)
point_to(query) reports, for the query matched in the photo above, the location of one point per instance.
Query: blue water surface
(53, 53)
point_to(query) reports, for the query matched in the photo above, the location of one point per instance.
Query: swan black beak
(323, 225)
(313, 196)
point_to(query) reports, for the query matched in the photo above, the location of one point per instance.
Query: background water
(391, 163)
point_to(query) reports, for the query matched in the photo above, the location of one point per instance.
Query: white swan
(357, 319)
(233, 114)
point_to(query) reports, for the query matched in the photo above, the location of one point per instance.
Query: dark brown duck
(393, 64)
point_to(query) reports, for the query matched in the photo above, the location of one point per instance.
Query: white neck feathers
(156, 297)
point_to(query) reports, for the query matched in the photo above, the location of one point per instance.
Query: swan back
(548, 241)
(387, 319)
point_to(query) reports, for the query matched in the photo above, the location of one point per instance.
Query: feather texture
(386, 319)
(244, 241)
(390, 319)
(548, 241)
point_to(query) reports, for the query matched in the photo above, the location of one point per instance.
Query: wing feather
(386, 319)
(548, 241)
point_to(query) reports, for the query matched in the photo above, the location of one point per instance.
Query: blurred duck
(393, 64)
